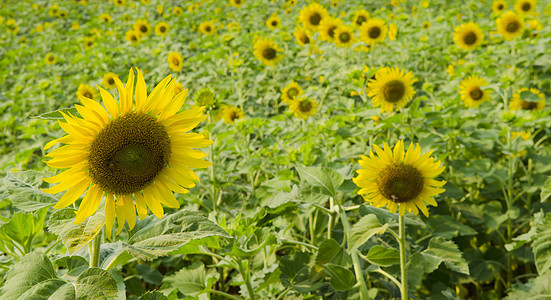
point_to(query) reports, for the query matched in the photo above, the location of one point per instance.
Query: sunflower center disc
(315, 19)
(400, 183)
(512, 27)
(305, 39)
(470, 38)
(274, 23)
(344, 37)
(526, 7)
(175, 62)
(500, 6)
(476, 93)
(529, 105)
(305, 106)
(394, 90)
(207, 29)
(374, 32)
(292, 92)
(143, 29)
(111, 81)
(269, 53)
(331, 31)
(360, 20)
(162, 29)
(129, 153)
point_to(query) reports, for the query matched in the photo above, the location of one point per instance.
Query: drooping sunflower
(373, 31)
(344, 36)
(236, 3)
(510, 26)
(267, 51)
(207, 27)
(499, 6)
(133, 37)
(134, 153)
(108, 80)
(361, 16)
(327, 28)
(303, 107)
(142, 27)
(161, 29)
(391, 87)
(105, 18)
(528, 99)
(273, 22)
(87, 91)
(175, 61)
(312, 15)
(232, 113)
(302, 35)
(400, 180)
(468, 36)
(50, 59)
(525, 7)
(290, 92)
(471, 91)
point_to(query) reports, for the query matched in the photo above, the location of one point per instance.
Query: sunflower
(236, 3)
(361, 16)
(232, 113)
(105, 18)
(134, 153)
(344, 36)
(50, 59)
(161, 29)
(302, 35)
(373, 31)
(119, 3)
(290, 92)
(207, 27)
(86, 91)
(390, 87)
(142, 27)
(471, 91)
(499, 6)
(509, 25)
(398, 179)
(175, 61)
(525, 7)
(267, 51)
(108, 80)
(392, 31)
(133, 37)
(327, 28)
(525, 135)
(535, 26)
(177, 11)
(303, 107)
(312, 15)
(146, 2)
(273, 22)
(468, 36)
(88, 43)
(528, 99)
(53, 11)
(205, 97)
(425, 25)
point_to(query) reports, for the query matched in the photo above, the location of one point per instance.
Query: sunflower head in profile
(290, 92)
(231, 113)
(499, 6)
(128, 156)
(50, 59)
(142, 27)
(528, 99)
(86, 91)
(273, 22)
(373, 31)
(510, 25)
(312, 15)
(327, 28)
(267, 51)
(161, 29)
(468, 36)
(302, 35)
(303, 107)
(525, 7)
(108, 80)
(344, 36)
(398, 179)
(175, 61)
(472, 93)
(391, 88)
(236, 3)
(207, 27)
(360, 16)
(133, 37)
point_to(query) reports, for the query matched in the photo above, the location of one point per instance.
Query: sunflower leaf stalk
(95, 246)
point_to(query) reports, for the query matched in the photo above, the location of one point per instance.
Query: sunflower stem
(246, 277)
(403, 266)
(94, 254)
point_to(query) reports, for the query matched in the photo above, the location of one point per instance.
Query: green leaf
(189, 280)
(153, 295)
(366, 227)
(112, 255)
(24, 190)
(383, 256)
(295, 274)
(74, 236)
(56, 114)
(528, 237)
(22, 228)
(448, 227)
(529, 96)
(159, 237)
(96, 283)
(342, 279)
(542, 245)
(327, 179)
(448, 252)
(535, 288)
(419, 265)
(546, 190)
(327, 251)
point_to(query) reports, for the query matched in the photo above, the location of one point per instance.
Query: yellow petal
(174, 106)
(141, 92)
(74, 172)
(141, 206)
(152, 98)
(123, 107)
(173, 185)
(73, 193)
(421, 204)
(89, 204)
(129, 210)
(120, 214)
(129, 89)
(166, 196)
(95, 107)
(67, 161)
(109, 215)
(152, 201)
(399, 152)
(109, 102)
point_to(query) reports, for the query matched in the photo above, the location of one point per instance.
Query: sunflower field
(248, 149)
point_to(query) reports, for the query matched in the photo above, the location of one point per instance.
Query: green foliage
(18, 234)
(74, 236)
(24, 190)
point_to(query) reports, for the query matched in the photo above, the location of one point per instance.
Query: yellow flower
(160, 9)
(361, 16)
(425, 25)
(392, 31)
(133, 37)
(50, 59)
(142, 27)
(273, 22)
(391, 87)
(86, 91)
(175, 61)
(398, 179)
(108, 80)
(236, 3)
(75, 25)
(267, 52)
(344, 36)
(510, 26)
(234, 26)
(312, 15)
(146, 2)
(303, 107)
(525, 135)
(528, 99)
(161, 29)
(471, 91)
(290, 92)
(134, 153)
(232, 113)
(526, 7)
(468, 36)
(178, 88)
(498, 6)
(302, 35)
(105, 18)
(425, 3)
(53, 11)
(207, 27)
(88, 42)
(373, 31)
(119, 3)
(327, 28)
(177, 11)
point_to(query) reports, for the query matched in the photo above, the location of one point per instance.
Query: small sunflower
(133, 154)
(177, 11)
(510, 26)
(161, 29)
(142, 27)
(468, 36)
(425, 25)
(499, 6)
(133, 37)
(392, 31)
(344, 36)
(273, 22)
(302, 35)
(205, 97)
(108, 80)
(267, 51)
(175, 61)
(327, 28)
(361, 16)
(50, 59)
(236, 3)
(471, 91)
(303, 107)
(105, 18)
(290, 92)
(312, 15)
(373, 31)
(207, 27)
(232, 113)
(119, 3)
(400, 180)
(525, 7)
(88, 42)
(87, 91)
(391, 87)
(528, 99)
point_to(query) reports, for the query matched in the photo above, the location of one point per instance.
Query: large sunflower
(373, 31)
(132, 154)
(498, 6)
(303, 107)
(290, 92)
(471, 91)
(302, 35)
(401, 181)
(468, 36)
(328, 27)
(510, 26)
(528, 99)
(525, 7)
(391, 87)
(267, 51)
(344, 36)
(312, 15)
